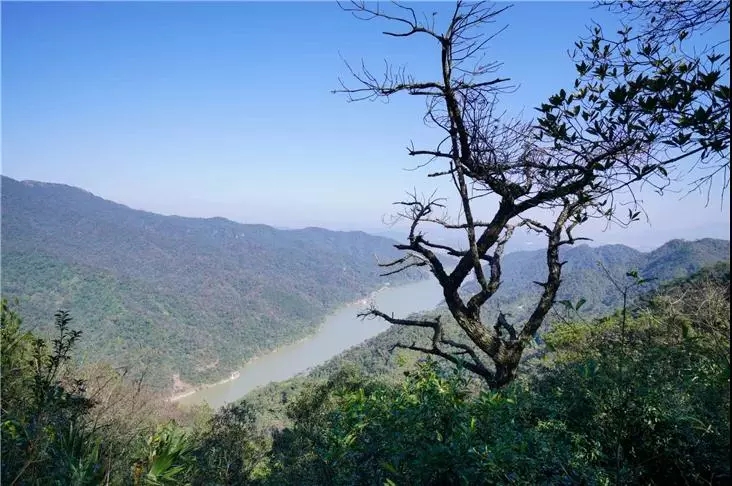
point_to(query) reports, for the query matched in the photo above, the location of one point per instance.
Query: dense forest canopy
(640, 396)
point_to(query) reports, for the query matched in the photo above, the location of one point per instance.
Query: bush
(635, 398)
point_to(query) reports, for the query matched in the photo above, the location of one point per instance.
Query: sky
(225, 109)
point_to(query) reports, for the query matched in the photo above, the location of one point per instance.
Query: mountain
(174, 295)
(583, 275)
(197, 297)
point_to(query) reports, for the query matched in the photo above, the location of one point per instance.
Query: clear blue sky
(224, 109)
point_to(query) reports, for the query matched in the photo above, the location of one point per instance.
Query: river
(340, 330)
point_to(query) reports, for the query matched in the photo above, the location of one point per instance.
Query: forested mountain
(583, 276)
(196, 297)
(169, 294)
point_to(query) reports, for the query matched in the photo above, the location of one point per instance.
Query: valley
(365, 244)
(193, 319)
(341, 330)
(165, 295)
(187, 302)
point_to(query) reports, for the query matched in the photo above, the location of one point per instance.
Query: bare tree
(543, 178)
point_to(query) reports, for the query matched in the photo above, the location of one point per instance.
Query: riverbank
(199, 388)
(204, 386)
(340, 330)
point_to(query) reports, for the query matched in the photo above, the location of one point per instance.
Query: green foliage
(166, 458)
(54, 433)
(229, 449)
(427, 431)
(657, 84)
(640, 400)
(654, 394)
(637, 397)
(81, 455)
(298, 453)
(43, 432)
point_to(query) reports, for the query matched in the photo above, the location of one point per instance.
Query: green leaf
(580, 303)
(567, 304)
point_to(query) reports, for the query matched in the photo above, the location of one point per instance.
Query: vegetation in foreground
(637, 397)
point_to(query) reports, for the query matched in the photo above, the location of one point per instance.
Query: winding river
(339, 331)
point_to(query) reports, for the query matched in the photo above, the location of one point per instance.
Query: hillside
(655, 384)
(174, 295)
(583, 277)
(671, 368)
(673, 265)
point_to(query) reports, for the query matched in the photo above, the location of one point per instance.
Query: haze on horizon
(226, 110)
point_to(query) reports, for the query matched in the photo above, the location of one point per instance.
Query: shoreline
(204, 386)
(201, 387)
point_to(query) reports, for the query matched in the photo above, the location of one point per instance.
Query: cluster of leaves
(658, 81)
(638, 397)
(61, 429)
(41, 415)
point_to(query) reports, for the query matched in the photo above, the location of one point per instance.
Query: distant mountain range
(583, 275)
(174, 295)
